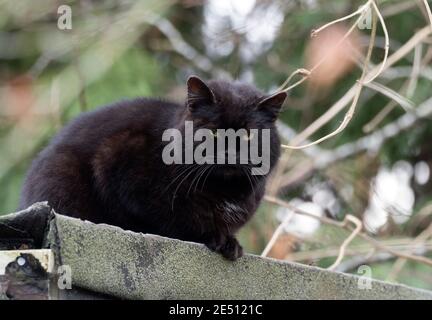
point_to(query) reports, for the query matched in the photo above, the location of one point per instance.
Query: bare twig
(428, 10)
(182, 47)
(409, 86)
(406, 104)
(374, 242)
(418, 37)
(303, 72)
(400, 263)
(351, 110)
(375, 140)
(413, 79)
(276, 234)
(386, 45)
(67, 81)
(356, 231)
(363, 250)
(343, 125)
(360, 11)
(306, 73)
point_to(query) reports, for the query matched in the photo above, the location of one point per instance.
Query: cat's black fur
(106, 166)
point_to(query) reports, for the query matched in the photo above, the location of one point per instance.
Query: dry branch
(374, 242)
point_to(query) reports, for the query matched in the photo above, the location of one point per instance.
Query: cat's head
(222, 105)
(219, 106)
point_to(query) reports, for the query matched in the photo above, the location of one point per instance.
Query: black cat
(106, 166)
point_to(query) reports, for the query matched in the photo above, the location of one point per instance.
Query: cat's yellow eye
(248, 136)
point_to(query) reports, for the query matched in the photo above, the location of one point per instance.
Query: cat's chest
(230, 207)
(226, 211)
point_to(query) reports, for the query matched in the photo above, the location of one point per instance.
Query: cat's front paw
(230, 248)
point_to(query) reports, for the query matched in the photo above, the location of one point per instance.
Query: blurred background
(378, 169)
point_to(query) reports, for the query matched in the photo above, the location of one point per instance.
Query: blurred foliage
(147, 64)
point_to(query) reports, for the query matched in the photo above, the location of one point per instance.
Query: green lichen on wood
(131, 265)
(110, 261)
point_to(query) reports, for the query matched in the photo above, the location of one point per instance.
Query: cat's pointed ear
(198, 93)
(271, 105)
